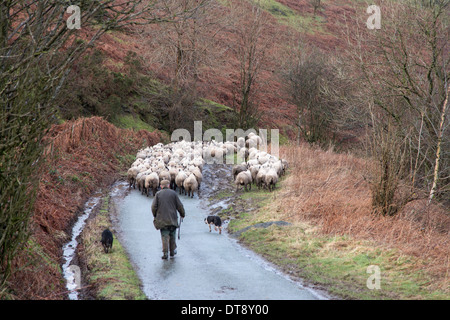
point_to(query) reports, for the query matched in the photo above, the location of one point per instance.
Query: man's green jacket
(164, 208)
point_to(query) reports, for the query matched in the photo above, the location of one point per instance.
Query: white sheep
(140, 181)
(270, 179)
(260, 176)
(173, 171)
(244, 178)
(164, 175)
(254, 169)
(238, 168)
(190, 184)
(198, 174)
(262, 157)
(179, 179)
(151, 182)
(131, 176)
(277, 166)
(178, 161)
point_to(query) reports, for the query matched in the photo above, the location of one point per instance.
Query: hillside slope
(286, 24)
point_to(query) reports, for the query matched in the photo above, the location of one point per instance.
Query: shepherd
(164, 208)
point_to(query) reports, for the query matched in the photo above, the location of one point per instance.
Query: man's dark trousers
(168, 240)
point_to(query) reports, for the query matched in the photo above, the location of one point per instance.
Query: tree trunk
(438, 148)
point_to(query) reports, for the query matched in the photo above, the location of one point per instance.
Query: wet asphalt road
(207, 266)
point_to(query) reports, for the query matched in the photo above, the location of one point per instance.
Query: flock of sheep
(260, 168)
(182, 163)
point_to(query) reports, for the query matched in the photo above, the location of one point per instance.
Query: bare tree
(250, 47)
(187, 43)
(440, 138)
(317, 86)
(316, 5)
(405, 70)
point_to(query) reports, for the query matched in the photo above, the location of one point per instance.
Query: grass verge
(340, 264)
(111, 275)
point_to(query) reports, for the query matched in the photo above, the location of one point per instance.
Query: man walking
(164, 208)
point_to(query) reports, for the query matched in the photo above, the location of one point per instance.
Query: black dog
(107, 240)
(215, 221)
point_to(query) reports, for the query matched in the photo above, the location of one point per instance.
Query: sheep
(277, 166)
(216, 155)
(240, 143)
(166, 158)
(249, 143)
(244, 178)
(140, 180)
(262, 157)
(198, 175)
(141, 154)
(237, 169)
(137, 162)
(178, 161)
(173, 171)
(190, 184)
(131, 176)
(151, 182)
(198, 162)
(270, 179)
(164, 175)
(230, 147)
(252, 162)
(254, 171)
(260, 177)
(244, 153)
(179, 179)
(253, 140)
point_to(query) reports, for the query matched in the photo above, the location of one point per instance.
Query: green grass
(217, 106)
(111, 274)
(340, 264)
(254, 199)
(132, 122)
(215, 115)
(258, 195)
(125, 161)
(286, 16)
(222, 195)
(118, 279)
(239, 223)
(289, 17)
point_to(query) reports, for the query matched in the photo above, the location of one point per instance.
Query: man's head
(165, 184)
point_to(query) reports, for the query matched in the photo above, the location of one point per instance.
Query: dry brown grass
(330, 191)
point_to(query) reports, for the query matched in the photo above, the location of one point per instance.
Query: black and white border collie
(215, 221)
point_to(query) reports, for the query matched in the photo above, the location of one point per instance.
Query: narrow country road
(207, 266)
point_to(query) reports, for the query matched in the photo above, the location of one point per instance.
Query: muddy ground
(220, 196)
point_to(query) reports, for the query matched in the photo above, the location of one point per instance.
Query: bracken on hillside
(82, 156)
